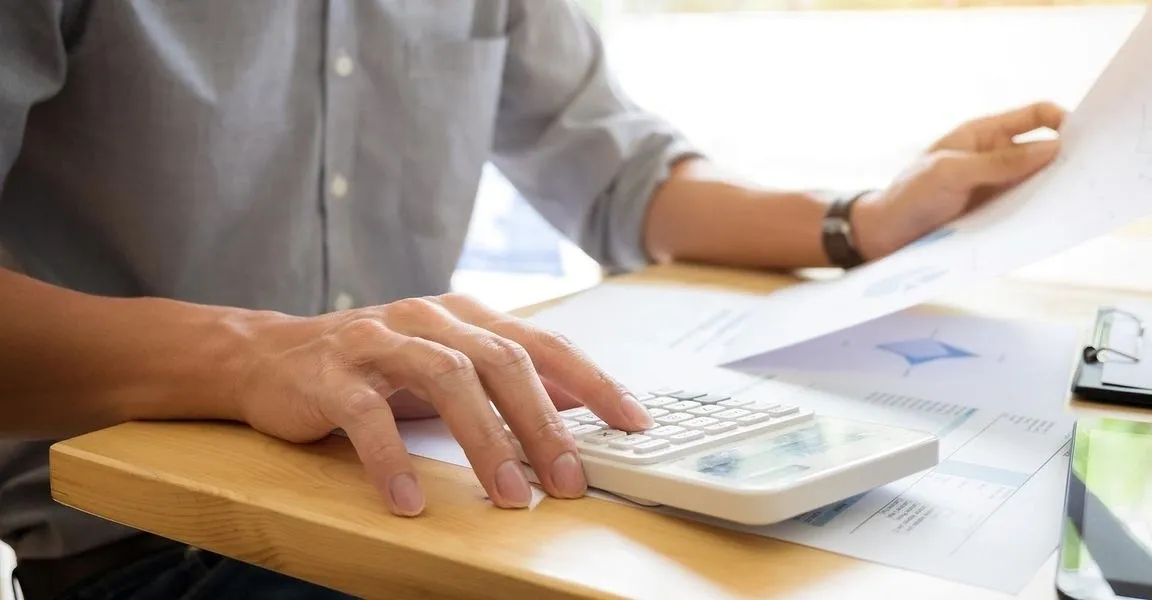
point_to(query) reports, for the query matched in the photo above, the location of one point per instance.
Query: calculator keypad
(685, 422)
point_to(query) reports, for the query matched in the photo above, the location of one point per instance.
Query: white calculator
(746, 460)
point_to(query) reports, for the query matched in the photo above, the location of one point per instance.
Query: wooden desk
(308, 510)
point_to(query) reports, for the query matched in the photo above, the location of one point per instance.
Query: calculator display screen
(778, 459)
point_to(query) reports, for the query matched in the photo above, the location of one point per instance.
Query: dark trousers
(171, 572)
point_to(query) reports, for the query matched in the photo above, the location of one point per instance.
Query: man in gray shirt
(252, 210)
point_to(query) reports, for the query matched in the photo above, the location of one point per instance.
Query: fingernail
(406, 497)
(568, 476)
(512, 484)
(635, 412)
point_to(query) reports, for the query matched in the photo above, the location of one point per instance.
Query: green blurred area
(1114, 458)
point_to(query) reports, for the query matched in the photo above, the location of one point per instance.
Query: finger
(999, 130)
(560, 399)
(506, 371)
(997, 167)
(367, 420)
(560, 362)
(446, 378)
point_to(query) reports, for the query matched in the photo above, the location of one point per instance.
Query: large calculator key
(734, 402)
(686, 395)
(665, 431)
(683, 405)
(656, 412)
(665, 391)
(719, 427)
(700, 422)
(755, 417)
(569, 424)
(603, 436)
(628, 441)
(573, 413)
(734, 413)
(712, 398)
(685, 437)
(761, 406)
(650, 446)
(784, 411)
(707, 409)
(588, 418)
(673, 418)
(582, 430)
(655, 402)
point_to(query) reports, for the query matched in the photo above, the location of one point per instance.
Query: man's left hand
(965, 168)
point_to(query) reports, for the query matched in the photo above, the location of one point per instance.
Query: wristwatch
(836, 233)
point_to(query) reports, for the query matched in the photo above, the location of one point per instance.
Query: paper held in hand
(1101, 181)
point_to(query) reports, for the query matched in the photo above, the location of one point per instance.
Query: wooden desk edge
(93, 483)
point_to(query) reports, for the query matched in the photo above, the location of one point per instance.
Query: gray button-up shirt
(294, 155)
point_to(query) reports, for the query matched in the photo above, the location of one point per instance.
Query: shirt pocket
(451, 93)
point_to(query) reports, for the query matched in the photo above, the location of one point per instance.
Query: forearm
(701, 214)
(71, 362)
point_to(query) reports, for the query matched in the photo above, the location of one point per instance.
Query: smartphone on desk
(1106, 544)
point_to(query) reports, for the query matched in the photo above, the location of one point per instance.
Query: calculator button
(761, 405)
(719, 427)
(665, 431)
(683, 405)
(735, 402)
(707, 409)
(665, 391)
(569, 424)
(656, 412)
(588, 418)
(734, 413)
(628, 441)
(603, 436)
(784, 411)
(755, 417)
(685, 437)
(653, 403)
(711, 398)
(699, 422)
(673, 418)
(584, 429)
(650, 446)
(685, 395)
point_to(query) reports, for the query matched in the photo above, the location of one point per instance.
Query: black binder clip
(1100, 350)
(1089, 382)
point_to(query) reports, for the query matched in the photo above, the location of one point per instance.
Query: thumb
(1006, 165)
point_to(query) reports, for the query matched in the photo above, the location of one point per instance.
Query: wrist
(186, 362)
(871, 229)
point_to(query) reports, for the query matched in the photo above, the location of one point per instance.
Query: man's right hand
(301, 378)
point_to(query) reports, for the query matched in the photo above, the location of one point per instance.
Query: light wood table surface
(308, 511)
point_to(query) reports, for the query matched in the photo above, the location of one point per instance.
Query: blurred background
(818, 93)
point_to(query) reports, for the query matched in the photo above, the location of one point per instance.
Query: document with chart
(1101, 181)
(987, 515)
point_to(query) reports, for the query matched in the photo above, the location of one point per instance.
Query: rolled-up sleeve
(568, 138)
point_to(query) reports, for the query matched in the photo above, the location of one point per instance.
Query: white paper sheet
(989, 515)
(960, 352)
(1101, 181)
(685, 319)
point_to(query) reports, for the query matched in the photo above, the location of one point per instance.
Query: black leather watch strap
(837, 235)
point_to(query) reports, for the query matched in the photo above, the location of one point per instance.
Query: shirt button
(344, 65)
(339, 186)
(343, 302)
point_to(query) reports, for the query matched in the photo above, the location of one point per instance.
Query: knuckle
(550, 428)
(503, 353)
(363, 402)
(555, 342)
(417, 309)
(449, 366)
(363, 329)
(386, 451)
